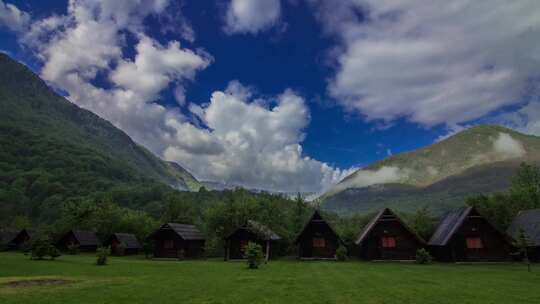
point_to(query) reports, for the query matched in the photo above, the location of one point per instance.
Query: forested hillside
(52, 151)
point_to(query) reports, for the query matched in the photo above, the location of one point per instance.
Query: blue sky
(355, 80)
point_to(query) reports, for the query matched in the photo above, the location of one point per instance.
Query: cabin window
(243, 245)
(388, 242)
(474, 243)
(168, 244)
(319, 242)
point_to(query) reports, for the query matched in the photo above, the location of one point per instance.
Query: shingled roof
(260, 230)
(185, 231)
(381, 215)
(128, 240)
(529, 221)
(448, 226)
(85, 238)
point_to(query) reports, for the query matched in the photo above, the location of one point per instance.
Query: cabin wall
(167, 244)
(312, 234)
(494, 245)
(240, 238)
(406, 243)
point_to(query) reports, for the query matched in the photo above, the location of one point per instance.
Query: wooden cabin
(317, 240)
(178, 241)
(529, 222)
(6, 238)
(387, 237)
(123, 244)
(86, 241)
(466, 236)
(24, 236)
(252, 231)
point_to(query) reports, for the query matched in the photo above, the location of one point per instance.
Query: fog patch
(505, 146)
(365, 178)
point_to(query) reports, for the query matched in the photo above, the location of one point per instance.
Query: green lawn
(135, 280)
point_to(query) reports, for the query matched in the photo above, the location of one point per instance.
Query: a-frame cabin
(466, 236)
(387, 237)
(317, 240)
(251, 231)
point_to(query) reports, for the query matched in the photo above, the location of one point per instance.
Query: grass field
(136, 280)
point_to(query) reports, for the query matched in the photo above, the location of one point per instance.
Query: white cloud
(432, 61)
(13, 18)
(365, 178)
(505, 146)
(156, 66)
(251, 16)
(261, 146)
(235, 137)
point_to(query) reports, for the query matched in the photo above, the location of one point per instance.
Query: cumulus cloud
(260, 145)
(156, 66)
(431, 62)
(251, 16)
(505, 146)
(235, 137)
(13, 18)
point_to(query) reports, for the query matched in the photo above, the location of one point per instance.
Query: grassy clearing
(135, 280)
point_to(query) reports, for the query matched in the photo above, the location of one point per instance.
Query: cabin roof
(529, 221)
(85, 238)
(185, 231)
(448, 226)
(317, 217)
(381, 215)
(128, 240)
(259, 229)
(452, 222)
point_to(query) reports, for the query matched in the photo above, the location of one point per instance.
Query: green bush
(341, 253)
(254, 255)
(423, 256)
(181, 254)
(54, 252)
(41, 248)
(73, 249)
(102, 255)
(148, 248)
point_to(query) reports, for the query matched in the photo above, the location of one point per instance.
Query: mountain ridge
(486, 155)
(27, 103)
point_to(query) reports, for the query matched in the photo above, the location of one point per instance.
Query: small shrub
(181, 254)
(148, 248)
(73, 249)
(423, 256)
(254, 255)
(341, 253)
(42, 248)
(54, 252)
(102, 255)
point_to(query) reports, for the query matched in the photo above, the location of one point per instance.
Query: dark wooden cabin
(6, 238)
(318, 240)
(387, 237)
(86, 241)
(178, 241)
(123, 244)
(252, 231)
(529, 222)
(466, 236)
(22, 237)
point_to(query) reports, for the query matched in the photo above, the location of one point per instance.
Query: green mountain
(478, 160)
(51, 148)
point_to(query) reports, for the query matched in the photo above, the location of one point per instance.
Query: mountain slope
(44, 135)
(477, 160)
